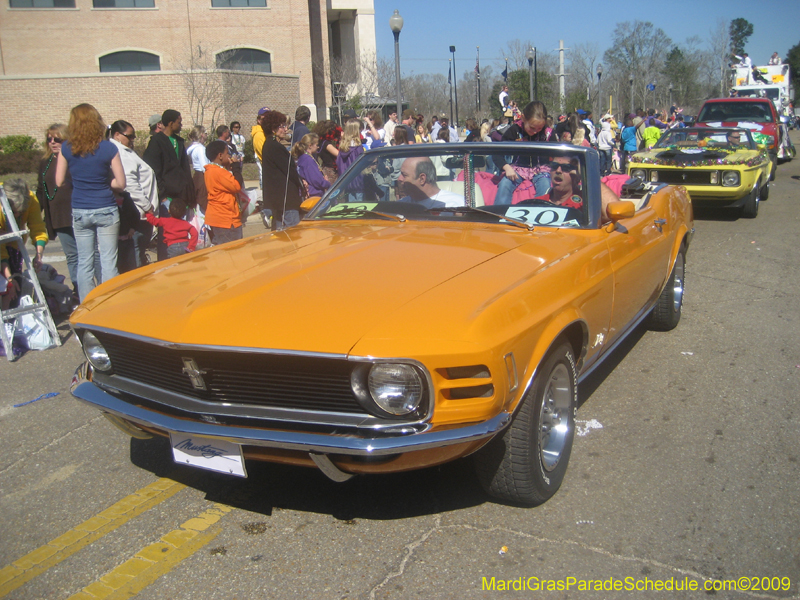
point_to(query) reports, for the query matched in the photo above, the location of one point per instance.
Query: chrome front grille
(259, 379)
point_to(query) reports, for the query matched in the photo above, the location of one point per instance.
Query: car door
(640, 251)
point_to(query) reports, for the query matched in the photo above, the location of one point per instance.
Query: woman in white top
(197, 149)
(373, 128)
(140, 183)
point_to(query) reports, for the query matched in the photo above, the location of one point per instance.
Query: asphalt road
(686, 469)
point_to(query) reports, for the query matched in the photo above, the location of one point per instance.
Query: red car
(756, 114)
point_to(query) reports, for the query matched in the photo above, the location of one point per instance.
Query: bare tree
(212, 92)
(359, 81)
(718, 57)
(581, 72)
(639, 49)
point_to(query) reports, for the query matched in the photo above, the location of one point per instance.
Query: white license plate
(207, 453)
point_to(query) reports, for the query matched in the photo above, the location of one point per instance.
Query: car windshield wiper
(360, 210)
(512, 220)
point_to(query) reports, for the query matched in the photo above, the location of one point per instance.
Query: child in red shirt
(180, 236)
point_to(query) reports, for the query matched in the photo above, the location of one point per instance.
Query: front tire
(526, 464)
(666, 314)
(765, 191)
(750, 207)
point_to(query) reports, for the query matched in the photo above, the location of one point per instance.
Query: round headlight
(730, 178)
(95, 352)
(640, 173)
(395, 388)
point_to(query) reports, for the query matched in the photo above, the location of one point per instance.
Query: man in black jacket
(166, 155)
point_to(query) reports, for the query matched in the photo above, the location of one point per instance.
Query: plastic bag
(33, 328)
(198, 221)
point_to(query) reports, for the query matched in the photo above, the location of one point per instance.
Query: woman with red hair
(95, 216)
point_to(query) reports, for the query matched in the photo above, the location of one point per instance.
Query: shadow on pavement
(270, 487)
(704, 213)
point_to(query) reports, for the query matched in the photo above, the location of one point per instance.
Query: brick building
(213, 60)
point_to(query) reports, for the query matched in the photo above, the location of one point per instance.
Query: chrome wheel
(555, 417)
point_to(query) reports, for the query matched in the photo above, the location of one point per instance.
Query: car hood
(693, 157)
(315, 287)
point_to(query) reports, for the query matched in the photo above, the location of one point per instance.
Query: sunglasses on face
(564, 167)
(130, 137)
(56, 140)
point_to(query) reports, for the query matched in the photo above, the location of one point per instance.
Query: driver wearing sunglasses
(565, 183)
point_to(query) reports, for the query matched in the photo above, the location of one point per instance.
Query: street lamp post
(670, 95)
(631, 82)
(396, 24)
(530, 55)
(599, 95)
(455, 79)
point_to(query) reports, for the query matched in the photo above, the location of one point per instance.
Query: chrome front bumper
(354, 445)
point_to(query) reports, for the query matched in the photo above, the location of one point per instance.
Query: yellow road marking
(37, 562)
(150, 563)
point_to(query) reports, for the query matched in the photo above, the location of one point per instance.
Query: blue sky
(431, 26)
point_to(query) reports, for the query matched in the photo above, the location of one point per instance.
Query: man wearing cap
(166, 155)
(586, 119)
(155, 123)
(259, 137)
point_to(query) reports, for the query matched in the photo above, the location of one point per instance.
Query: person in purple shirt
(96, 170)
(307, 167)
(653, 121)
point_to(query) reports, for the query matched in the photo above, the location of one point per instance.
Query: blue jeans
(95, 228)
(66, 236)
(290, 217)
(141, 239)
(177, 249)
(506, 187)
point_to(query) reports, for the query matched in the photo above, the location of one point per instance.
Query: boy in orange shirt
(223, 215)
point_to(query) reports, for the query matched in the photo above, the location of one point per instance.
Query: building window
(238, 3)
(124, 3)
(245, 59)
(129, 60)
(42, 3)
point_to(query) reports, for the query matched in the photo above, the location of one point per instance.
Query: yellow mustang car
(396, 327)
(720, 167)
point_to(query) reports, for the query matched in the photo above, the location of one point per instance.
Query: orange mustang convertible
(440, 301)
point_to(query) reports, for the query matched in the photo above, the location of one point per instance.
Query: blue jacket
(629, 139)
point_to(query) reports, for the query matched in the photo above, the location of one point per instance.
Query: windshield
(753, 112)
(704, 137)
(449, 182)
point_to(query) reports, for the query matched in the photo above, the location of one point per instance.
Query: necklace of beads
(44, 180)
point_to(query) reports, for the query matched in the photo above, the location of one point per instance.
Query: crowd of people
(104, 202)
